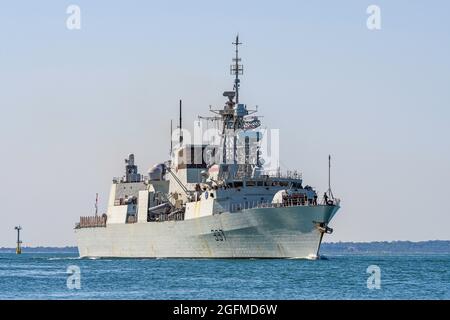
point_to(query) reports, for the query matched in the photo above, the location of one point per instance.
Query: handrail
(91, 222)
(235, 207)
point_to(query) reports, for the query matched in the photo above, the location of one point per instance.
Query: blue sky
(75, 103)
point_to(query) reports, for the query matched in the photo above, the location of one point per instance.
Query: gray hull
(288, 232)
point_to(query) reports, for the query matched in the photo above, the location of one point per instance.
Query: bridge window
(297, 185)
(238, 184)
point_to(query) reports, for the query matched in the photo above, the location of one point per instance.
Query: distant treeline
(407, 247)
(378, 247)
(43, 249)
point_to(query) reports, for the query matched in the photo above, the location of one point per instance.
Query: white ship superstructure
(211, 201)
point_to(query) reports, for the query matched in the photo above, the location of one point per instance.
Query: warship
(211, 200)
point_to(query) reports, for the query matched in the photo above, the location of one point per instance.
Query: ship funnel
(157, 172)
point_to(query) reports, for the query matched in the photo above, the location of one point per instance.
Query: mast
(233, 115)
(171, 142)
(330, 193)
(96, 204)
(237, 69)
(181, 123)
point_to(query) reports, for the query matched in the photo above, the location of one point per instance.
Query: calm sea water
(44, 276)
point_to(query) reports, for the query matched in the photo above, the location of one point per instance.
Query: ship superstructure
(211, 200)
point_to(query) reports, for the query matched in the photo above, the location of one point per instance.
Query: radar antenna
(237, 69)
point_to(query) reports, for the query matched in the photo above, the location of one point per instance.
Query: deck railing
(91, 222)
(235, 207)
(175, 216)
